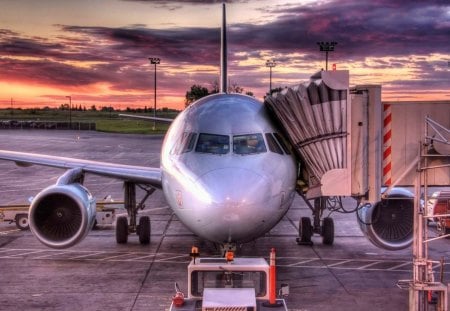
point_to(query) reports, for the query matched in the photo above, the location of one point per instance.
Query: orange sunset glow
(97, 53)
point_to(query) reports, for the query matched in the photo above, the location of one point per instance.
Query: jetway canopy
(347, 144)
(315, 116)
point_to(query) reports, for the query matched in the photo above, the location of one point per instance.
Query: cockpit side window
(273, 146)
(211, 143)
(248, 144)
(282, 143)
(190, 143)
(185, 143)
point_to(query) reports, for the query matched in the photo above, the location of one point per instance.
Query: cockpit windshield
(220, 144)
(248, 144)
(211, 143)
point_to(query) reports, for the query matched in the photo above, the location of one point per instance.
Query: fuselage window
(282, 143)
(248, 144)
(210, 143)
(273, 146)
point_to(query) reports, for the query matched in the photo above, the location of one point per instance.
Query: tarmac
(98, 274)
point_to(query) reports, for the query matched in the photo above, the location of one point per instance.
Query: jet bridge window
(215, 144)
(228, 279)
(248, 144)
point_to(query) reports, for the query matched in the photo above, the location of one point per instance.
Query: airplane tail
(223, 53)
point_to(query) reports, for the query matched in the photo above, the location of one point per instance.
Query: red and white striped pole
(387, 145)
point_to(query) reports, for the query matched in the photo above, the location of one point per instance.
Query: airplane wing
(140, 174)
(146, 118)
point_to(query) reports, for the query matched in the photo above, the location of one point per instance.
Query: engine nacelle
(62, 215)
(389, 223)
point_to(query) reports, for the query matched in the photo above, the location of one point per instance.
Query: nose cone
(234, 186)
(240, 205)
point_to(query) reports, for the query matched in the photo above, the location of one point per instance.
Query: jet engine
(389, 223)
(62, 215)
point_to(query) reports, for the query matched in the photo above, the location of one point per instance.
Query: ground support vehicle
(216, 284)
(440, 209)
(17, 214)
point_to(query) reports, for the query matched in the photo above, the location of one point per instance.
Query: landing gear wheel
(304, 231)
(95, 225)
(22, 221)
(144, 230)
(328, 231)
(122, 230)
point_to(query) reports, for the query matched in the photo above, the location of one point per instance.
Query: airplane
(226, 172)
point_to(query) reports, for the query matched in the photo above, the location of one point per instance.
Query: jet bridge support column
(366, 142)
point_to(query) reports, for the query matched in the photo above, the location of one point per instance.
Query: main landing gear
(324, 227)
(123, 227)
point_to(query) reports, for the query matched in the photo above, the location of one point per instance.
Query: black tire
(22, 221)
(328, 231)
(305, 230)
(122, 230)
(144, 230)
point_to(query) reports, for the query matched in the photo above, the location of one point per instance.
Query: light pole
(326, 47)
(270, 63)
(154, 61)
(70, 111)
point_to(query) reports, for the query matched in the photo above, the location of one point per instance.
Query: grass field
(105, 121)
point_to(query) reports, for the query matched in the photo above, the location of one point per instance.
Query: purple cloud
(388, 30)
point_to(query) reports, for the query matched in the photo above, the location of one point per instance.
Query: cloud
(373, 35)
(193, 45)
(46, 73)
(361, 28)
(169, 2)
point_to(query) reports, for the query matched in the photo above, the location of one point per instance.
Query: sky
(97, 51)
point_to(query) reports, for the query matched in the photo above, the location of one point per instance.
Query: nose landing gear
(123, 228)
(324, 227)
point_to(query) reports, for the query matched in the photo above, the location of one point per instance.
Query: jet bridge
(336, 137)
(349, 143)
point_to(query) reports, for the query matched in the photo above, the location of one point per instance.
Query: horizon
(97, 53)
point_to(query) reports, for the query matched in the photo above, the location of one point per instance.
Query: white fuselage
(222, 175)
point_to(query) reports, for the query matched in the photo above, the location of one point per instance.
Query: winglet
(223, 52)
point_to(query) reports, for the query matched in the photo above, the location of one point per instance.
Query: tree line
(198, 91)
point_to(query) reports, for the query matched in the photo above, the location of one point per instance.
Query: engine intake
(389, 223)
(62, 215)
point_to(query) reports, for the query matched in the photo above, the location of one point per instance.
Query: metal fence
(47, 125)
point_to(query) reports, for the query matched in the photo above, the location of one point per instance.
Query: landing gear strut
(324, 227)
(123, 228)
